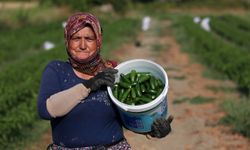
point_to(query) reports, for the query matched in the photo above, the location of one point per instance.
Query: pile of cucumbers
(137, 88)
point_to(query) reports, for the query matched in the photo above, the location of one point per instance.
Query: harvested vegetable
(137, 88)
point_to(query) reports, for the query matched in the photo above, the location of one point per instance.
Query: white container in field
(139, 118)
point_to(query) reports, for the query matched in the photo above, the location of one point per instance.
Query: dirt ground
(195, 126)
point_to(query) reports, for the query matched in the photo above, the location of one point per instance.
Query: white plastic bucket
(139, 118)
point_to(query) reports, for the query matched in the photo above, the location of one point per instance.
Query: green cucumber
(120, 93)
(124, 84)
(115, 90)
(125, 95)
(132, 75)
(124, 78)
(138, 90)
(143, 88)
(133, 93)
(143, 78)
(152, 82)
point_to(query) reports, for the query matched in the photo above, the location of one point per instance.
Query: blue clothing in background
(94, 121)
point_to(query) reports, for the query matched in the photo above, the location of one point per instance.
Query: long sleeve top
(93, 121)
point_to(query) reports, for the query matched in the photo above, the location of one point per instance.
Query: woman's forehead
(85, 31)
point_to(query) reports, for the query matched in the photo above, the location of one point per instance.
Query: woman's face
(82, 44)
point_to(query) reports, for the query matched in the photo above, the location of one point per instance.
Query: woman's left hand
(161, 127)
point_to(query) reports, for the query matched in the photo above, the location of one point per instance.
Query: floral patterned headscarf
(76, 22)
(80, 20)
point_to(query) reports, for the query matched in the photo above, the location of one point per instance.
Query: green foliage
(123, 30)
(18, 98)
(224, 57)
(17, 0)
(194, 100)
(120, 6)
(182, 77)
(3, 26)
(213, 74)
(85, 5)
(79, 5)
(201, 100)
(23, 17)
(144, 1)
(237, 32)
(224, 89)
(180, 100)
(28, 40)
(157, 47)
(212, 3)
(217, 53)
(238, 114)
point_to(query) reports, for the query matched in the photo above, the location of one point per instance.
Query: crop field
(224, 49)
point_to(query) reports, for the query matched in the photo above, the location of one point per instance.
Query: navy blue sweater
(94, 121)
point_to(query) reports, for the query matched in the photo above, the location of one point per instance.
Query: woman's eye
(90, 38)
(75, 38)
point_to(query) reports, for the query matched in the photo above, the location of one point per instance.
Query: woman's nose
(83, 44)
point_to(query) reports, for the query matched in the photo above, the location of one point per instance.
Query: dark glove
(161, 127)
(106, 77)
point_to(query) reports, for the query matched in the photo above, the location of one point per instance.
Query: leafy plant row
(238, 116)
(232, 29)
(222, 56)
(16, 120)
(18, 97)
(28, 40)
(20, 80)
(236, 22)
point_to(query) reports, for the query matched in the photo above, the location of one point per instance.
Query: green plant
(221, 88)
(180, 100)
(236, 33)
(157, 47)
(201, 100)
(23, 17)
(178, 77)
(238, 114)
(120, 6)
(19, 42)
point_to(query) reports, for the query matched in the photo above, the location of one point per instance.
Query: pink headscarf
(76, 22)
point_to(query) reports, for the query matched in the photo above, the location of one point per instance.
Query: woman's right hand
(106, 77)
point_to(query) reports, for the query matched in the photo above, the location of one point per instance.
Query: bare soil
(195, 126)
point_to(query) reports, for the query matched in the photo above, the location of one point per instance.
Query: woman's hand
(106, 77)
(161, 127)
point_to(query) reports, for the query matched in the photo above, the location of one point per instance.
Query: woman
(73, 94)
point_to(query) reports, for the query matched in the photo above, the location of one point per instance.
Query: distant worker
(146, 23)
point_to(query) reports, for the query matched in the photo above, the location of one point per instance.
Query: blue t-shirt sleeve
(50, 84)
